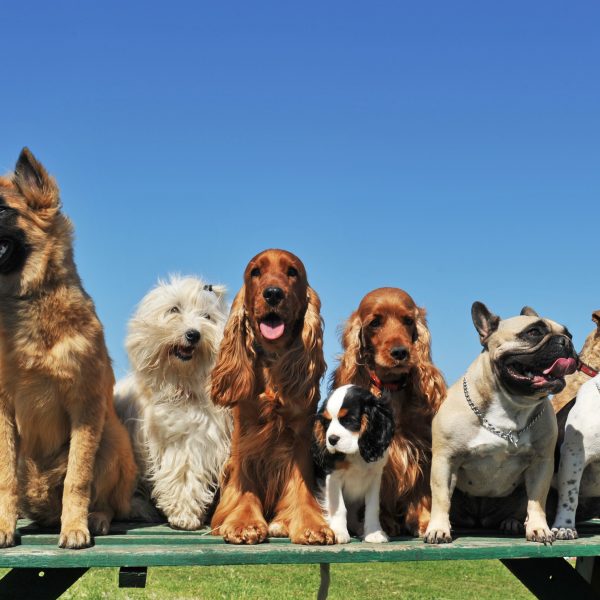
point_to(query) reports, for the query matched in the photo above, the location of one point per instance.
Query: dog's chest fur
(356, 475)
(494, 467)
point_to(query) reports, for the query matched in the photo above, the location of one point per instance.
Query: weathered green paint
(156, 545)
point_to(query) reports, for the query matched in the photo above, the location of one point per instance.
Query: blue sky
(448, 148)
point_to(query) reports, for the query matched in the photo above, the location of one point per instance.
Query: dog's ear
(318, 444)
(428, 381)
(527, 311)
(351, 361)
(312, 361)
(220, 291)
(32, 180)
(485, 321)
(596, 318)
(377, 428)
(233, 377)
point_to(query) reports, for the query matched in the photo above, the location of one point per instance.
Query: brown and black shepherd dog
(64, 456)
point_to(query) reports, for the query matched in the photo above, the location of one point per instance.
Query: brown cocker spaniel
(387, 349)
(269, 368)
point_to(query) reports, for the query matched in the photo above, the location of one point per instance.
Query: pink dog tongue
(272, 332)
(562, 367)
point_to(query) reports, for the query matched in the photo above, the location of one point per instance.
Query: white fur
(181, 439)
(579, 468)
(346, 489)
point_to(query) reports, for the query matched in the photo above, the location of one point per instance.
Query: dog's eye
(534, 332)
(409, 321)
(292, 272)
(255, 272)
(206, 316)
(174, 309)
(375, 323)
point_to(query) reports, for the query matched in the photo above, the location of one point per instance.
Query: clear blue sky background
(448, 148)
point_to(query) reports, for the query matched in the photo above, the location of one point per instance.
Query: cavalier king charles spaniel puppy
(352, 434)
(269, 368)
(387, 349)
(180, 438)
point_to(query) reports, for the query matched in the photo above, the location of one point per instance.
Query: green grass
(440, 580)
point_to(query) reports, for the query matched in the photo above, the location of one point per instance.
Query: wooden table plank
(157, 545)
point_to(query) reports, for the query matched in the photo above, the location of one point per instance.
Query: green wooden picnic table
(133, 547)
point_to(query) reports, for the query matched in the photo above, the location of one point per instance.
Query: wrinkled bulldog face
(530, 355)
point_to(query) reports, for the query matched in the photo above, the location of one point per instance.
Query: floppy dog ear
(429, 381)
(527, 311)
(38, 188)
(377, 428)
(233, 376)
(485, 321)
(318, 444)
(220, 291)
(312, 340)
(351, 360)
(596, 318)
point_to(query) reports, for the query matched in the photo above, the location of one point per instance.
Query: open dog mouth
(5, 250)
(272, 327)
(182, 352)
(539, 378)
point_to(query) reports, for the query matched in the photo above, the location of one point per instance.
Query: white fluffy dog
(181, 439)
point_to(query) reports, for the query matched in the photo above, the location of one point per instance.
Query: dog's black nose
(333, 439)
(273, 295)
(192, 336)
(399, 353)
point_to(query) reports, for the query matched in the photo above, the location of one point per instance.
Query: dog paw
(377, 537)
(565, 533)
(187, 522)
(341, 536)
(512, 526)
(7, 538)
(277, 529)
(99, 523)
(319, 536)
(253, 533)
(540, 534)
(439, 535)
(74, 538)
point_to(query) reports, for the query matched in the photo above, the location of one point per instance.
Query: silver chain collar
(510, 436)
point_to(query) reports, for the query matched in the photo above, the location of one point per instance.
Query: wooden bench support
(325, 580)
(550, 578)
(133, 577)
(38, 584)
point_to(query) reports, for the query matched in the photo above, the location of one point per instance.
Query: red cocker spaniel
(387, 349)
(269, 368)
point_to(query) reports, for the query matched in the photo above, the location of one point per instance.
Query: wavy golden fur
(268, 371)
(387, 340)
(63, 453)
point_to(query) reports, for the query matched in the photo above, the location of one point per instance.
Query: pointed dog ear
(485, 321)
(377, 428)
(527, 311)
(596, 318)
(38, 188)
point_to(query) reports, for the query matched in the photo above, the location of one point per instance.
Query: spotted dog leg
(572, 463)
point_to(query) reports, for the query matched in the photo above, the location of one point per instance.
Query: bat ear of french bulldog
(485, 321)
(527, 311)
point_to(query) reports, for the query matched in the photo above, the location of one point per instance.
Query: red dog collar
(388, 387)
(586, 369)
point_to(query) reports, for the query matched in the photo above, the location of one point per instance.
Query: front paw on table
(437, 535)
(541, 534)
(565, 533)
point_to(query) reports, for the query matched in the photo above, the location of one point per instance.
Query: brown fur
(63, 452)
(590, 355)
(273, 387)
(405, 492)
